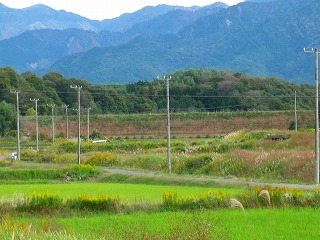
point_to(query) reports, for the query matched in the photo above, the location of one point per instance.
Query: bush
(222, 166)
(79, 172)
(41, 202)
(191, 164)
(29, 155)
(105, 159)
(95, 204)
(95, 134)
(208, 200)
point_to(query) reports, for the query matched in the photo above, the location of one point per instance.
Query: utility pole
(295, 112)
(18, 123)
(316, 60)
(78, 88)
(52, 119)
(88, 123)
(67, 121)
(37, 127)
(167, 79)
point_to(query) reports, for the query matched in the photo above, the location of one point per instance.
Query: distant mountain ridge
(39, 49)
(264, 38)
(259, 38)
(16, 21)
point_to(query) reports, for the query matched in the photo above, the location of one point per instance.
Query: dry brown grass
(185, 127)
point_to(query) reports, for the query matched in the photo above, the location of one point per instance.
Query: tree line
(190, 90)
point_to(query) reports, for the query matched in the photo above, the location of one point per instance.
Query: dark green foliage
(190, 91)
(7, 118)
(41, 203)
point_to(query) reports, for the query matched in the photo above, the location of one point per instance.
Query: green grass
(126, 192)
(272, 223)
(224, 224)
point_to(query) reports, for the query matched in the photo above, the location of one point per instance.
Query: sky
(106, 9)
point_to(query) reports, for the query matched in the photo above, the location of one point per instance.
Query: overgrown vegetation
(242, 154)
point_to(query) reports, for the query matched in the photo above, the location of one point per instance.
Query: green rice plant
(105, 159)
(190, 225)
(95, 204)
(30, 174)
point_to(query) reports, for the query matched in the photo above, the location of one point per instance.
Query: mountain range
(258, 37)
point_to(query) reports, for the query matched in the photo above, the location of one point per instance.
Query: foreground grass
(127, 192)
(301, 223)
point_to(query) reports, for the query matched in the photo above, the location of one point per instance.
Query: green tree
(7, 118)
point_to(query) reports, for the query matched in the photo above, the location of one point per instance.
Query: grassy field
(223, 224)
(126, 192)
(231, 224)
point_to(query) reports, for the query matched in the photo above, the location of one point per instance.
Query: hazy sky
(103, 9)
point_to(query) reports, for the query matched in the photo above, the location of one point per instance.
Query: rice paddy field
(300, 223)
(203, 145)
(127, 192)
(222, 224)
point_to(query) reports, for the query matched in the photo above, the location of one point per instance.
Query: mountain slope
(38, 49)
(265, 38)
(42, 48)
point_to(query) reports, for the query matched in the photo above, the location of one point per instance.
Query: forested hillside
(192, 90)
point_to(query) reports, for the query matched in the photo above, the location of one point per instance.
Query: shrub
(191, 164)
(66, 147)
(105, 159)
(224, 166)
(29, 155)
(95, 204)
(41, 202)
(152, 162)
(79, 172)
(95, 134)
(208, 200)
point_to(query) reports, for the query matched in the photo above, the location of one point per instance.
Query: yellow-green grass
(223, 224)
(126, 192)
